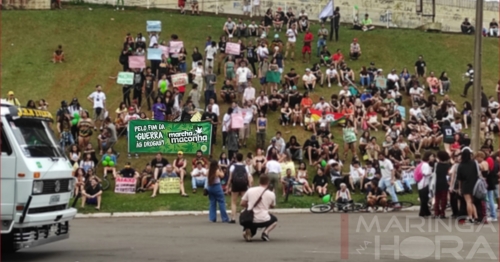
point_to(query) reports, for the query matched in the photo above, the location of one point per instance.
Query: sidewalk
(205, 212)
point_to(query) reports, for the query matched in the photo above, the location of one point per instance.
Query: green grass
(92, 41)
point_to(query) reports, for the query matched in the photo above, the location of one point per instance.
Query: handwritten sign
(175, 46)
(153, 26)
(125, 185)
(170, 185)
(179, 80)
(125, 78)
(137, 62)
(154, 54)
(237, 121)
(164, 49)
(232, 48)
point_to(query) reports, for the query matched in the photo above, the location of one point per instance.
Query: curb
(198, 213)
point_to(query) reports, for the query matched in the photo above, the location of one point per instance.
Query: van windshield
(36, 138)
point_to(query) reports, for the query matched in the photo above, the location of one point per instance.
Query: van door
(8, 183)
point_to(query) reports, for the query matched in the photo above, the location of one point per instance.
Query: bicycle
(345, 207)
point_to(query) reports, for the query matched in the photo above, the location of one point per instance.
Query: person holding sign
(128, 172)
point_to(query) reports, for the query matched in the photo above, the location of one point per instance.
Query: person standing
(215, 193)
(423, 184)
(441, 187)
(308, 38)
(388, 176)
(291, 34)
(98, 100)
(467, 175)
(492, 182)
(335, 24)
(238, 183)
(470, 74)
(420, 67)
(322, 34)
(210, 81)
(260, 200)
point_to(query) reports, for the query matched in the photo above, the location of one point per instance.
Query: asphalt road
(304, 237)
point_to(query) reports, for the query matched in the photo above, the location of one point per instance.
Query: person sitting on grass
(128, 172)
(355, 50)
(320, 183)
(288, 181)
(92, 194)
(147, 181)
(367, 23)
(109, 167)
(58, 56)
(343, 196)
(199, 176)
(376, 196)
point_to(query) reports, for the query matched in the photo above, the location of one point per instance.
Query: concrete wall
(393, 13)
(30, 4)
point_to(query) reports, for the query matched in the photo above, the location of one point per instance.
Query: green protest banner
(151, 136)
(125, 78)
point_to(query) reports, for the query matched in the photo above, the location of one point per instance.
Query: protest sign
(237, 121)
(137, 62)
(153, 26)
(175, 46)
(150, 136)
(180, 80)
(154, 54)
(170, 185)
(232, 48)
(125, 185)
(164, 50)
(125, 78)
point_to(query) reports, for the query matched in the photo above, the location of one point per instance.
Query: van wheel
(7, 241)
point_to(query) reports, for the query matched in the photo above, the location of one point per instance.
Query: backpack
(418, 175)
(239, 178)
(480, 188)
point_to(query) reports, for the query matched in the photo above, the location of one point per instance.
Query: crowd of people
(382, 147)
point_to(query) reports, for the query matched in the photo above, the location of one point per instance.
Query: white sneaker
(301, 124)
(123, 9)
(490, 219)
(340, 84)
(117, 8)
(293, 124)
(371, 210)
(329, 85)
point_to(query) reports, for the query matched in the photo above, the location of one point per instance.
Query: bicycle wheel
(360, 207)
(104, 184)
(321, 208)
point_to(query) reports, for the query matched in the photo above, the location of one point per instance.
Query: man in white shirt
(199, 176)
(273, 171)
(242, 73)
(226, 126)
(393, 79)
(248, 94)
(416, 93)
(345, 92)
(210, 52)
(332, 75)
(261, 216)
(416, 112)
(309, 80)
(388, 177)
(98, 100)
(291, 34)
(457, 125)
(262, 102)
(262, 51)
(229, 27)
(215, 107)
(322, 105)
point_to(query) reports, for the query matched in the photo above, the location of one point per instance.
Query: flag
(334, 118)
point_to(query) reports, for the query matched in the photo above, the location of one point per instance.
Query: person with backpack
(422, 175)
(239, 181)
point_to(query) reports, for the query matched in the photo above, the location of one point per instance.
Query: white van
(36, 180)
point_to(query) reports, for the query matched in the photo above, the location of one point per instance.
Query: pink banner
(175, 46)
(137, 62)
(232, 48)
(237, 121)
(125, 185)
(164, 50)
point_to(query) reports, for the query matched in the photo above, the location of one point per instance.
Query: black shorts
(254, 226)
